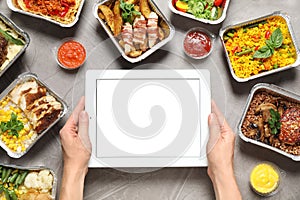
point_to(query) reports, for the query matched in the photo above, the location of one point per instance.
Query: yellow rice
(245, 66)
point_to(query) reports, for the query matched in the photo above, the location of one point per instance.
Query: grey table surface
(167, 183)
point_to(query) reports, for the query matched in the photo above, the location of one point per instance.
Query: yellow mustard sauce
(264, 179)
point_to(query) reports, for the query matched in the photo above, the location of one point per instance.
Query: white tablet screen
(143, 121)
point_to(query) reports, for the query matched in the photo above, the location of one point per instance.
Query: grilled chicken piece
(127, 36)
(140, 32)
(43, 112)
(29, 97)
(3, 49)
(152, 29)
(18, 91)
(40, 108)
(290, 126)
(47, 120)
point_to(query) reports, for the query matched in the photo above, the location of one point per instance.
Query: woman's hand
(76, 147)
(220, 153)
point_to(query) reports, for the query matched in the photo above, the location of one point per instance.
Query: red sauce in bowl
(197, 44)
(71, 54)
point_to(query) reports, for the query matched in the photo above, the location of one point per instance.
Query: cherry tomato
(218, 2)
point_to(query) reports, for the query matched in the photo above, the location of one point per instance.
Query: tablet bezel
(90, 104)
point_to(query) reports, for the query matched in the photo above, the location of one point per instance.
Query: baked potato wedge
(135, 53)
(108, 16)
(145, 9)
(132, 1)
(161, 34)
(118, 21)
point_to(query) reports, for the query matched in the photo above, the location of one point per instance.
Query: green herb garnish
(10, 38)
(13, 126)
(128, 11)
(274, 122)
(273, 43)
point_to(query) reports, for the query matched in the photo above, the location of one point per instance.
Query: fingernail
(210, 117)
(83, 115)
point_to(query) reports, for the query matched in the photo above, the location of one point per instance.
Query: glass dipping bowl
(198, 43)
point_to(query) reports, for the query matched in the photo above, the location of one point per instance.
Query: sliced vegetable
(6, 175)
(7, 197)
(182, 6)
(13, 178)
(255, 24)
(243, 52)
(220, 10)
(10, 38)
(214, 13)
(267, 34)
(12, 195)
(218, 2)
(23, 176)
(3, 173)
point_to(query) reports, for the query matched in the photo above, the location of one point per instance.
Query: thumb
(214, 132)
(83, 130)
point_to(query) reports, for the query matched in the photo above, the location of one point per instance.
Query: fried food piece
(135, 53)
(145, 9)
(137, 8)
(132, 1)
(161, 34)
(101, 15)
(108, 16)
(118, 21)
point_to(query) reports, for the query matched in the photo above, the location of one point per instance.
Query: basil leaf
(276, 38)
(270, 45)
(11, 39)
(263, 52)
(128, 11)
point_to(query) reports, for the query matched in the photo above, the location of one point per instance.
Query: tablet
(148, 118)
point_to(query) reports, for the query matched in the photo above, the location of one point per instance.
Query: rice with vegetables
(260, 47)
(24, 136)
(265, 121)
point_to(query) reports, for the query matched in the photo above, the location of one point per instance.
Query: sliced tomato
(218, 2)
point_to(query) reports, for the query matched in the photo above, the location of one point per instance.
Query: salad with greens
(204, 9)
